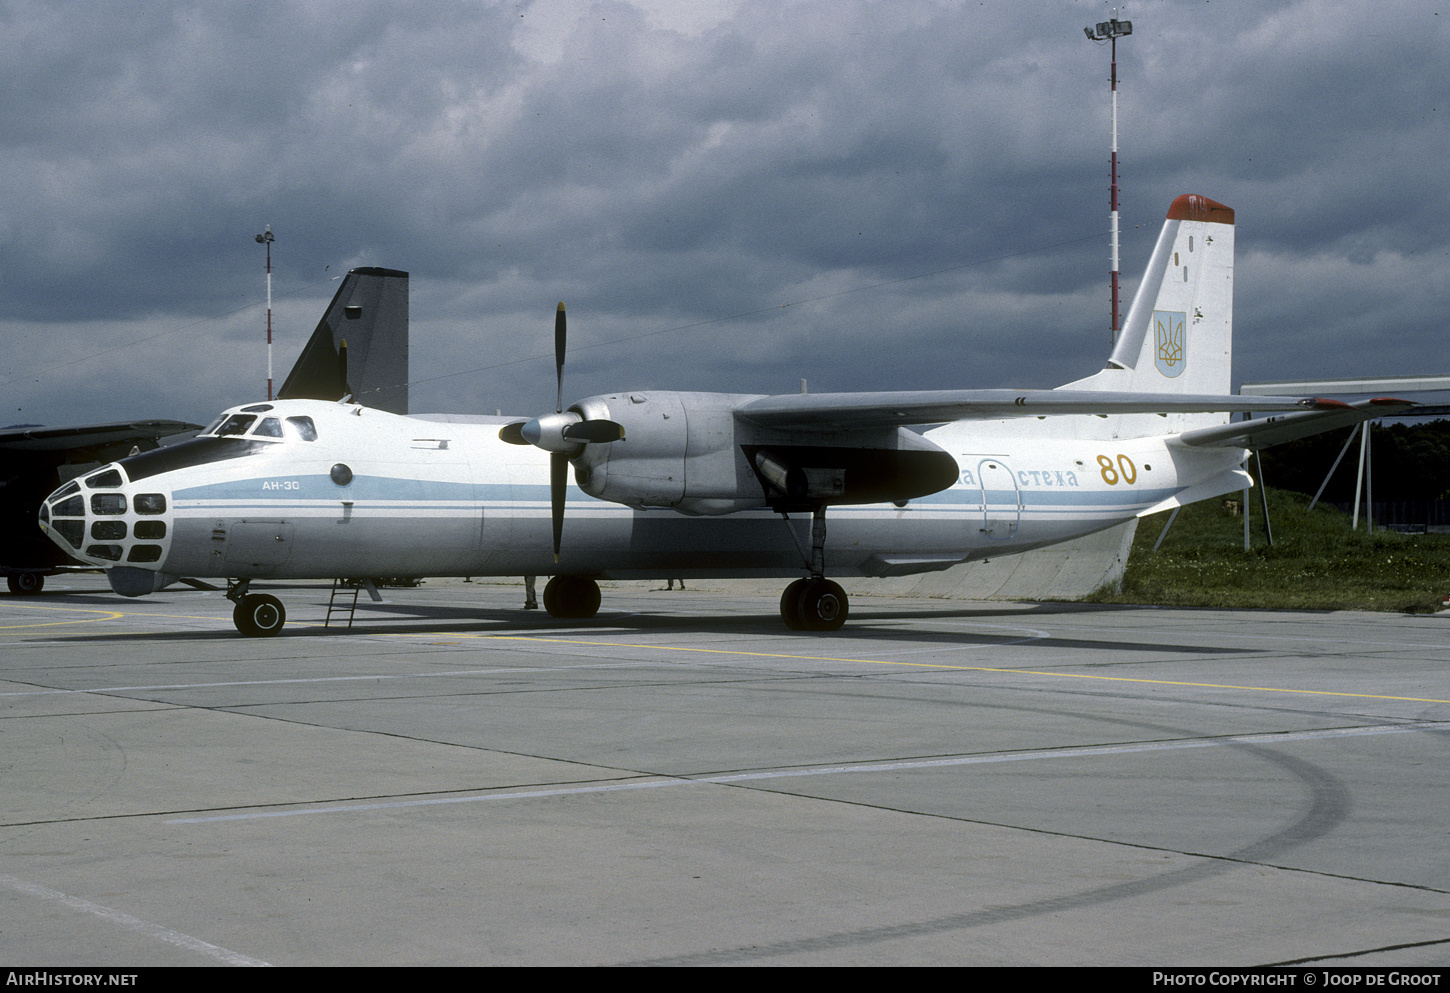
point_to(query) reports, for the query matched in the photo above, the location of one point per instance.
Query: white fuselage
(373, 494)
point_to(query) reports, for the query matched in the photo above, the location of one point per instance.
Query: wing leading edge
(81, 438)
(877, 410)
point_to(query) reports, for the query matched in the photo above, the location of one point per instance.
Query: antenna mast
(266, 238)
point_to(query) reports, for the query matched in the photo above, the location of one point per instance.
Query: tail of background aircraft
(1178, 337)
(370, 313)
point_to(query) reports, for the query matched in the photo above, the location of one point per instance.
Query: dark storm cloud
(730, 195)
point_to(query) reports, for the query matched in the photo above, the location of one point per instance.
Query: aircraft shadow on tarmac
(866, 625)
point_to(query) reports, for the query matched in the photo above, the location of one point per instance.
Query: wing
(1277, 430)
(86, 442)
(879, 410)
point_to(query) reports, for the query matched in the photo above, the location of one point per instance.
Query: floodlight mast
(1112, 30)
(266, 238)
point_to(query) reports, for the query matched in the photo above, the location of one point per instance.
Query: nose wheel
(25, 583)
(259, 615)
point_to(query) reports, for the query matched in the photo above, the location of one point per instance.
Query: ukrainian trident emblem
(1169, 336)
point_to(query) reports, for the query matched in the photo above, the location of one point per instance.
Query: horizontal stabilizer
(1277, 430)
(1228, 481)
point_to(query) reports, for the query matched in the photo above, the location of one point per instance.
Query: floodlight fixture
(1109, 29)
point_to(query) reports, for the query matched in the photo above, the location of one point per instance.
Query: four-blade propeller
(563, 434)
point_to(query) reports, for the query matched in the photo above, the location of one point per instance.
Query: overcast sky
(728, 194)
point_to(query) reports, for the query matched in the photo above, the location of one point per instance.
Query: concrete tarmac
(456, 781)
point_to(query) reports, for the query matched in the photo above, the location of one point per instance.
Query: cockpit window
(108, 480)
(301, 427)
(211, 428)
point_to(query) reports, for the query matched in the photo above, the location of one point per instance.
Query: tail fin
(370, 311)
(1178, 337)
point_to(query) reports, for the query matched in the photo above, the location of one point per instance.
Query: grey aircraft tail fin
(368, 318)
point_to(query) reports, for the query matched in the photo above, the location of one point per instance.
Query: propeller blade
(559, 340)
(558, 480)
(593, 431)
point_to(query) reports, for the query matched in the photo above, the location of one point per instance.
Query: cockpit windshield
(302, 428)
(230, 436)
(235, 425)
(295, 428)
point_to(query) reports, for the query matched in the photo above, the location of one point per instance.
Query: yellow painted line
(114, 615)
(975, 668)
(106, 615)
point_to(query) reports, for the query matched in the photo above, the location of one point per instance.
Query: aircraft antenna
(266, 238)
(1113, 29)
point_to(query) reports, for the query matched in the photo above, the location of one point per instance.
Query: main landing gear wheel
(790, 602)
(25, 583)
(571, 596)
(258, 615)
(814, 605)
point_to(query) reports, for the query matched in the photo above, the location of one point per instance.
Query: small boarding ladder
(339, 603)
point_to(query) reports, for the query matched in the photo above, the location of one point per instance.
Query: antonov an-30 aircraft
(704, 484)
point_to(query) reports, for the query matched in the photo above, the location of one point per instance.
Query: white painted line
(136, 924)
(1272, 738)
(377, 677)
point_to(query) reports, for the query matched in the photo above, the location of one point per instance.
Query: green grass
(1316, 562)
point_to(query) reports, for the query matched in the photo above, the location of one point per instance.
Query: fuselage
(312, 489)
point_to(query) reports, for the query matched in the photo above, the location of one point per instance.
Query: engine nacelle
(679, 450)
(690, 452)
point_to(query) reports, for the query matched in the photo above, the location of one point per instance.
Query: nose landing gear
(256, 615)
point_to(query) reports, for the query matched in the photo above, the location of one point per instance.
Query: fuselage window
(150, 503)
(72, 531)
(269, 428)
(302, 427)
(151, 530)
(73, 507)
(108, 530)
(236, 424)
(108, 504)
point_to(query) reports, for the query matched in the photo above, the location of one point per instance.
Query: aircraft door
(1001, 500)
(258, 546)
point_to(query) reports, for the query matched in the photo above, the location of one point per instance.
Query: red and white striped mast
(266, 238)
(1111, 30)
